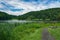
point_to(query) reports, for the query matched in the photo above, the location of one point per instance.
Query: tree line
(52, 14)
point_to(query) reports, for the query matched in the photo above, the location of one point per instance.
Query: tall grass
(55, 33)
(23, 31)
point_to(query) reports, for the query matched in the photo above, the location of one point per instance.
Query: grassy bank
(25, 31)
(55, 33)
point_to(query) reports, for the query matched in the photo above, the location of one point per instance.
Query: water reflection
(15, 21)
(24, 21)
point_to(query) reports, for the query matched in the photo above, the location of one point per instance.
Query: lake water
(23, 21)
(16, 21)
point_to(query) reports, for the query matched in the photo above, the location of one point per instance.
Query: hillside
(48, 14)
(5, 16)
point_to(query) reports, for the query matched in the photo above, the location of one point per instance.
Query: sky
(20, 7)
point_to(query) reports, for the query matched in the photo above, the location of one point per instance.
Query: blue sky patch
(14, 10)
(20, 7)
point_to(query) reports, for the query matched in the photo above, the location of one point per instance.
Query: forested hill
(5, 16)
(48, 14)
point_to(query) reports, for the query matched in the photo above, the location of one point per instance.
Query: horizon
(20, 7)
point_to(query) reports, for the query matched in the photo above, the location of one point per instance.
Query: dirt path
(46, 35)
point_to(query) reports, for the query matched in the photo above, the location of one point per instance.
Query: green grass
(26, 31)
(55, 33)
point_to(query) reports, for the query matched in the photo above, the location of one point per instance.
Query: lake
(23, 21)
(16, 21)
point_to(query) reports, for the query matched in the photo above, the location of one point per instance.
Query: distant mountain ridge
(48, 14)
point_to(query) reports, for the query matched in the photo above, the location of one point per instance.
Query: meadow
(28, 31)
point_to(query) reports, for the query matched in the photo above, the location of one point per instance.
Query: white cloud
(29, 6)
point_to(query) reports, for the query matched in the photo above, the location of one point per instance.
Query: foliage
(48, 14)
(24, 31)
(5, 16)
(52, 14)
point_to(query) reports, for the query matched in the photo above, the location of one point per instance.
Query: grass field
(28, 31)
(55, 33)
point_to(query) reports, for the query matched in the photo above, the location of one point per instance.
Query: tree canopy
(48, 14)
